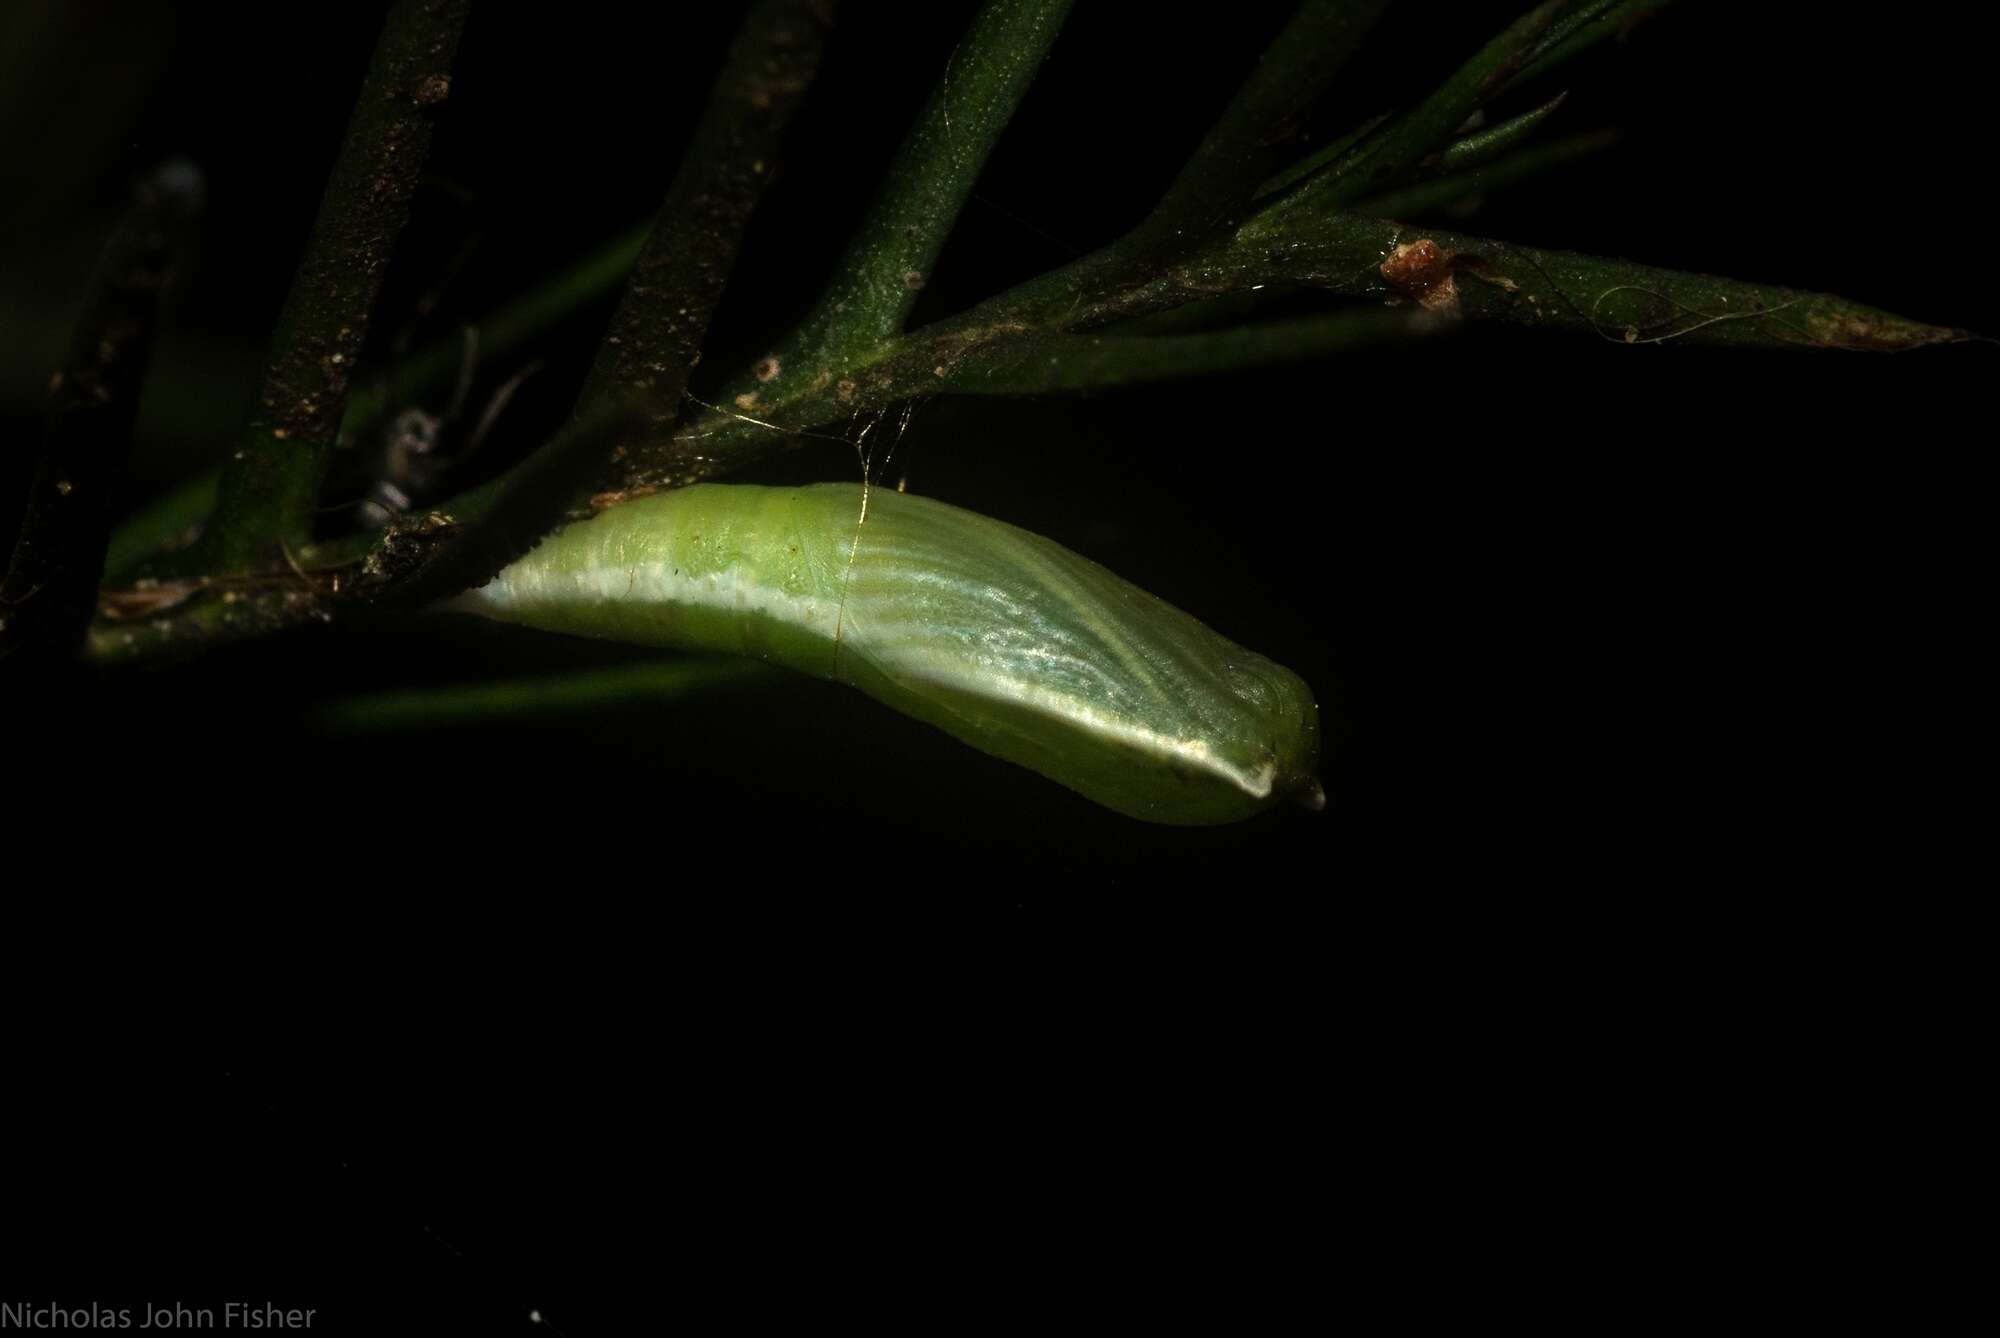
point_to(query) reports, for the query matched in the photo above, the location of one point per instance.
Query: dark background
(1640, 667)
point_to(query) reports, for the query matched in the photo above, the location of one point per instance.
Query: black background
(1641, 667)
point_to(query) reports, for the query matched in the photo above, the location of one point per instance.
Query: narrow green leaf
(167, 520)
(1433, 123)
(1484, 146)
(1427, 197)
(1582, 29)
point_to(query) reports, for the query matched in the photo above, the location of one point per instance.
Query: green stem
(1342, 254)
(1427, 197)
(1483, 146)
(891, 257)
(270, 484)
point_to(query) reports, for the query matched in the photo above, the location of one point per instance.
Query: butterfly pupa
(1003, 639)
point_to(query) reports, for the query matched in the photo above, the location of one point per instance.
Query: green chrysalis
(1001, 638)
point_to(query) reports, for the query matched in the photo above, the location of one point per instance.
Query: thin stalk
(270, 484)
(890, 259)
(1484, 146)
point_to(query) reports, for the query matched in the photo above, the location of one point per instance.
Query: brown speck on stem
(1422, 271)
(767, 369)
(431, 90)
